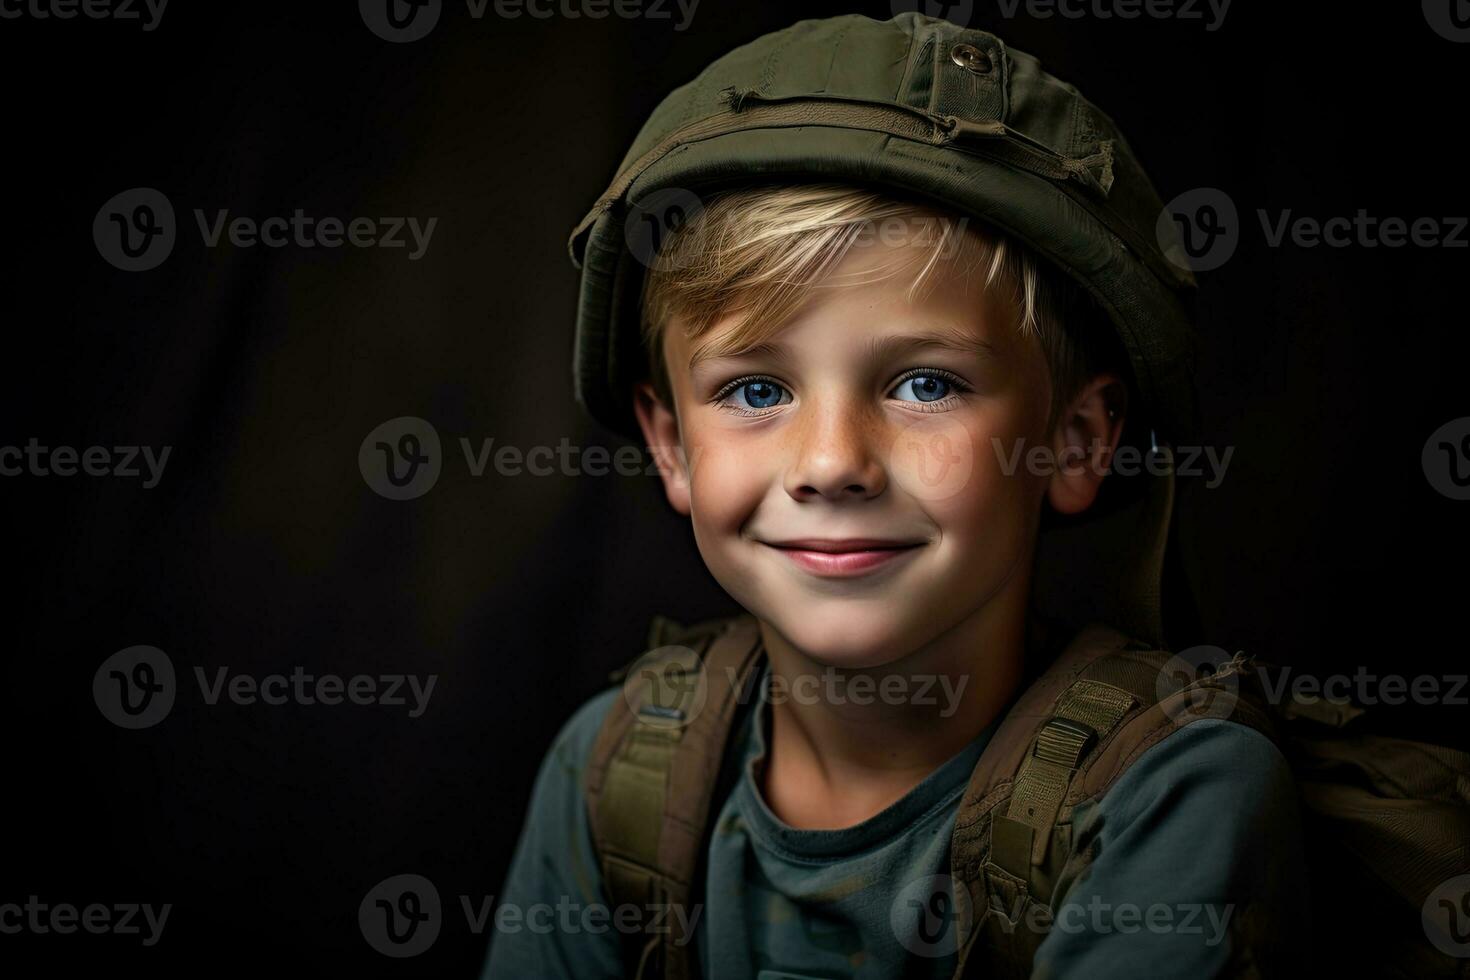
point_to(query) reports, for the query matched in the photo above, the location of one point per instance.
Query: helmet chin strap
(1139, 592)
(1111, 568)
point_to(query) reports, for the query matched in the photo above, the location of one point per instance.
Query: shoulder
(1215, 804)
(571, 748)
(555, 864)
(554, 853)
(1201, 838)
(1199, 726)
(556, 806)
(1213, 755)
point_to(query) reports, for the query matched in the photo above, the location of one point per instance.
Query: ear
(661, 433)
(1087, 433)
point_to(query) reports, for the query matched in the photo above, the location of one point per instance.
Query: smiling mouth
(844, 558)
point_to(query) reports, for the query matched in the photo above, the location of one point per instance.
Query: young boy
(909, 301)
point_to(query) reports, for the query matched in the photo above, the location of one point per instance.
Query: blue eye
(758, 394)
(922, 388)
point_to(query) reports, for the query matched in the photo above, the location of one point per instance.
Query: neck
(849, 751)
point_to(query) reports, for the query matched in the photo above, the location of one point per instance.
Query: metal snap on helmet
(936, 111)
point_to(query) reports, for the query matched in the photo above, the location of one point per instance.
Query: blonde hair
(757, 252)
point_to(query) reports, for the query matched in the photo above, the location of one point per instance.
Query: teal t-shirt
(1201, 833)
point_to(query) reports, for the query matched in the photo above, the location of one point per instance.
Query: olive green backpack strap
(652, 774)
(1066, 739)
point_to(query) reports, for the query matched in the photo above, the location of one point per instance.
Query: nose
(834, 455)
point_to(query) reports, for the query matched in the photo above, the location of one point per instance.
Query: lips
(844, 557)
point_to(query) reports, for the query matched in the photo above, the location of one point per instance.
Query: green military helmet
(919, 105)
(938, 112)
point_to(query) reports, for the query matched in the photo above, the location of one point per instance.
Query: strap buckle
(1064, 742)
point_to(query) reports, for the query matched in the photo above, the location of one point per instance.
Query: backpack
(1387, 818)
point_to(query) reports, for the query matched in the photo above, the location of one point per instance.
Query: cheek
(728, 478)
(968, 471)
(933, 458)
(958, 461)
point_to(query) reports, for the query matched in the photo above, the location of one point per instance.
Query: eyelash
(949, 377)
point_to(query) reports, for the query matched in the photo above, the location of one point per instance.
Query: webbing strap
(667, 687)
(659, 752)
(636, 788)
(1086, 712)
(667, 690)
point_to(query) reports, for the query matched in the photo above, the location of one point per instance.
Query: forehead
(869, 293)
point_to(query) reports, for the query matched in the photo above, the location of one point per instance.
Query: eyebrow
(713, 352)
(957, 341)
(880, 348)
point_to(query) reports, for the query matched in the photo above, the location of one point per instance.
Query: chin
(848, 634)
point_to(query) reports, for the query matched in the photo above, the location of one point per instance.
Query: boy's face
(861, 485)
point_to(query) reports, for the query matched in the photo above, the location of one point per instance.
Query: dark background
(263, 548)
